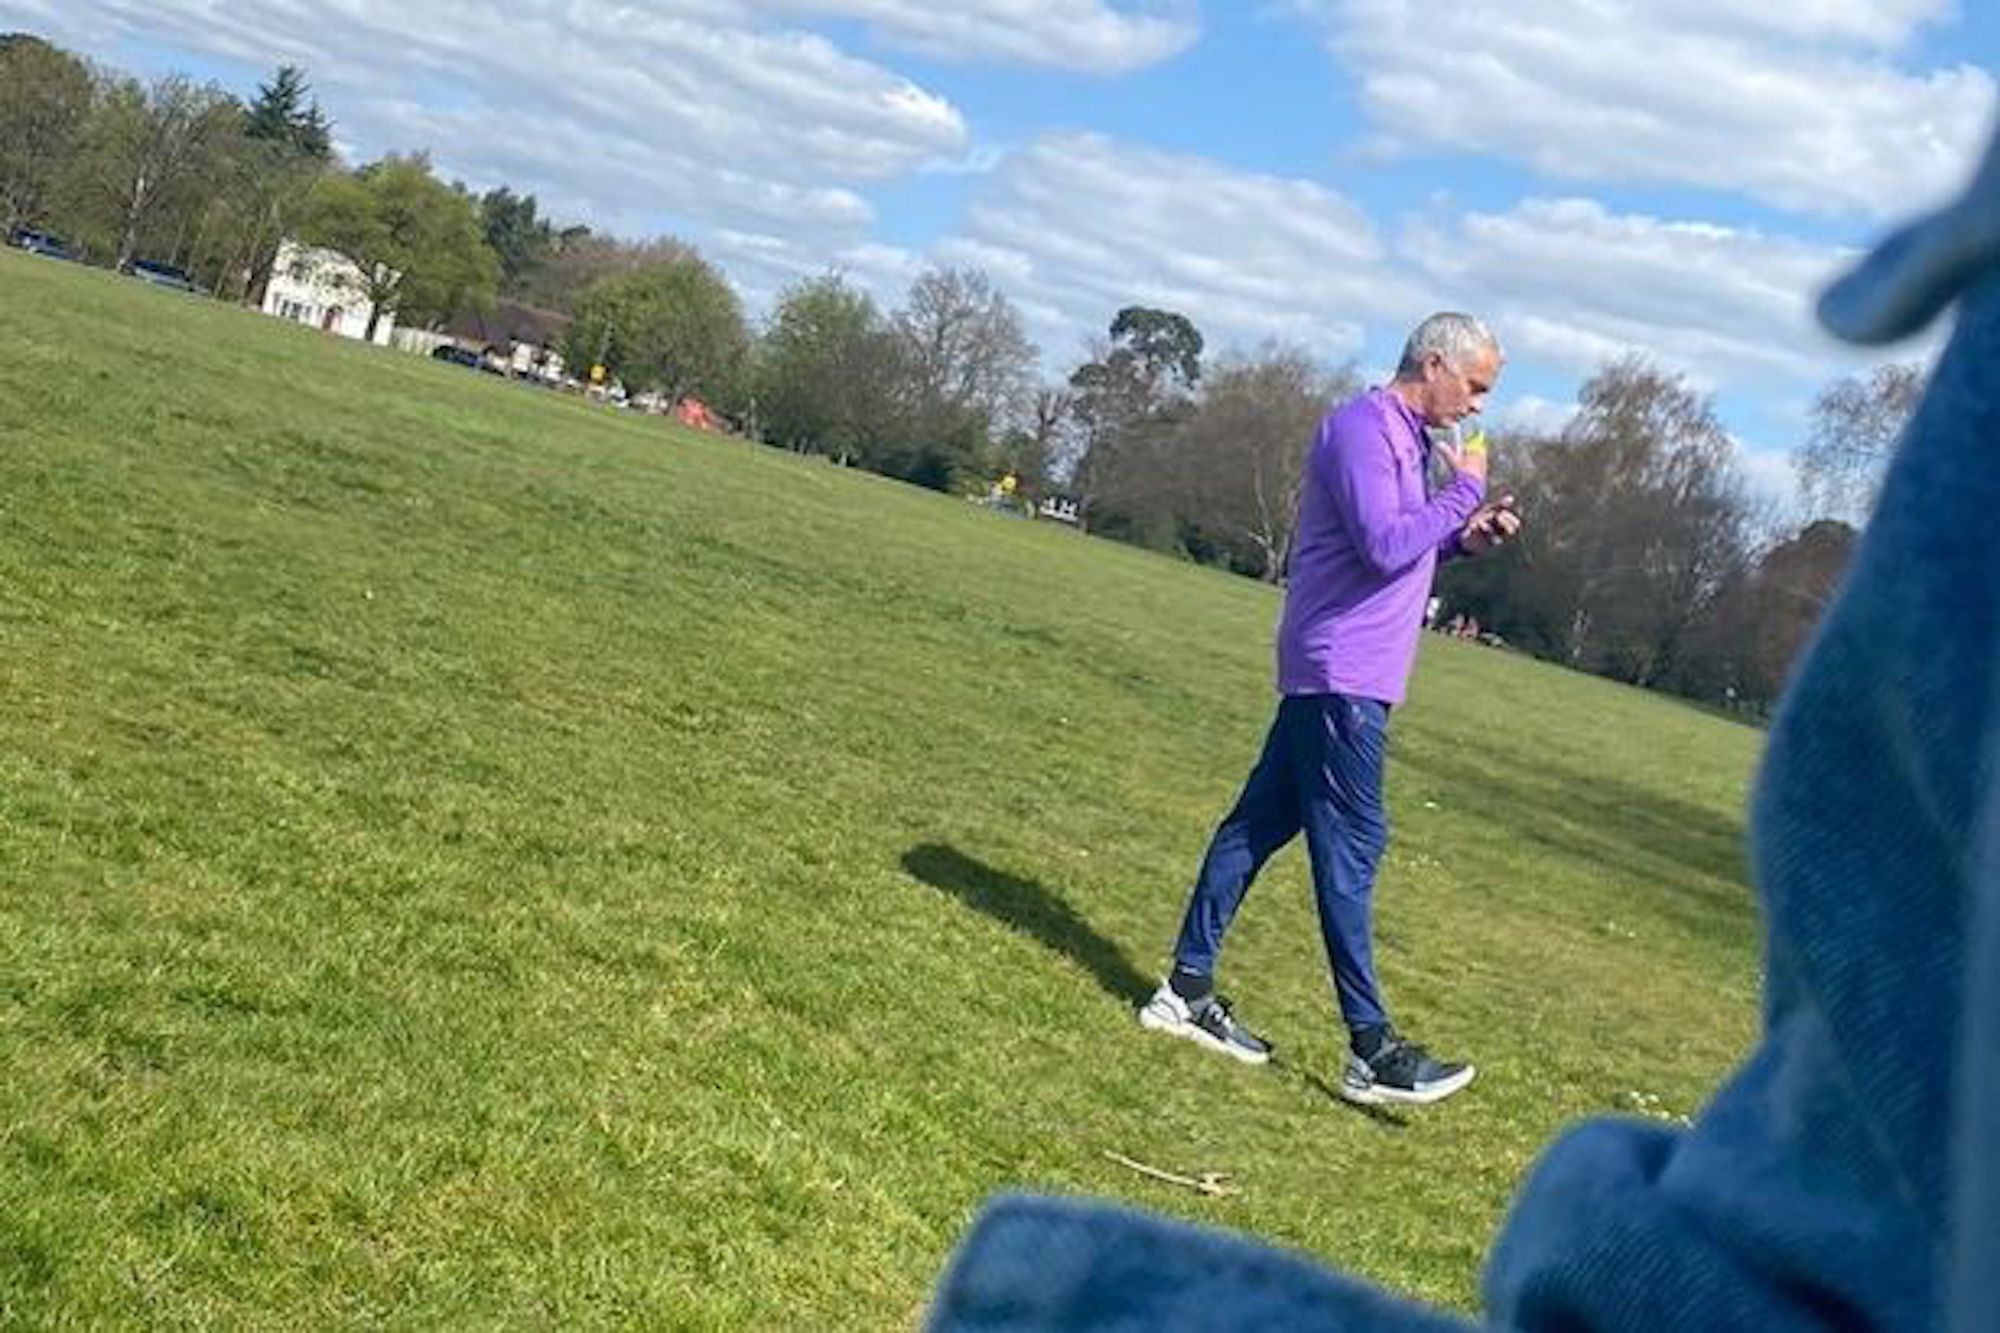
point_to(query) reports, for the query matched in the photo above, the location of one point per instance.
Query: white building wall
(323, 290)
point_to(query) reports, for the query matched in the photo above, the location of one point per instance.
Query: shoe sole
(1154, 1023)
(1375, 1094)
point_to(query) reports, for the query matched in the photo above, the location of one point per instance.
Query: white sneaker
(1207, 1023)
(1402, 1073)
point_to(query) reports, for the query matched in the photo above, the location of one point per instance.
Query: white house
(324, 289)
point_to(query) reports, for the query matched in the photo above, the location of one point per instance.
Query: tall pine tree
(283, 115)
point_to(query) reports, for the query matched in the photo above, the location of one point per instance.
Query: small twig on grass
(1212, 1183)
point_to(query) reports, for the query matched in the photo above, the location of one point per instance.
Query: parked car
(467, 357)
(458, 356)
(46, 244)
(164, 275)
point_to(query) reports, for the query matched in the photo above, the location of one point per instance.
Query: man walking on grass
(1369, 536)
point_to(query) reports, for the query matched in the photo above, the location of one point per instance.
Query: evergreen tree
(282, 115)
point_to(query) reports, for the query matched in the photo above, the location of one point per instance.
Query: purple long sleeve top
(1368, 541)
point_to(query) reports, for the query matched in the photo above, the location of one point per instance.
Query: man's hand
(1491, 525)
(1468, 458)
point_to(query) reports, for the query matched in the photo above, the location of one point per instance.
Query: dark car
(458, 356)
(46, 244)
(163, 275)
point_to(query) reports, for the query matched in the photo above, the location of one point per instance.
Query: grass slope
(470, 858)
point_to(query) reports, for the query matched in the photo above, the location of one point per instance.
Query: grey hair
(1455, 337)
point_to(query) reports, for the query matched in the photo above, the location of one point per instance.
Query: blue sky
(1672, 177)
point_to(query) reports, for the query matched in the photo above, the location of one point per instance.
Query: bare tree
(963, 363)
(1049, 417)
(1855, 426)
(967, 350)
(578, 258)
(1030, 452)
(1638, 516)
(1241, 456)
(1762, 619)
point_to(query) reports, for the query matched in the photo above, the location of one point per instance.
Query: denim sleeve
(1975, 1295)
(1036, 1264)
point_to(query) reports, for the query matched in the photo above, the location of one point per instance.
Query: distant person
(1432, 609)
(1369, 539)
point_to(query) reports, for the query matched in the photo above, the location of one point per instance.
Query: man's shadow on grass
(1299, 1074)
(1032, 909)
(1024, 905)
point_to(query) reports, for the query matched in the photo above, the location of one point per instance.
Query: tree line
(1645, 557)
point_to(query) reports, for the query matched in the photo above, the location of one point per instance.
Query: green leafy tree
(147, 159)
(417, 242)
(1126, 402)
(1162, 346)
(521, 239)
(172, 171)
(268, 194)
(46, 97)
(673, 328)
(826, 374)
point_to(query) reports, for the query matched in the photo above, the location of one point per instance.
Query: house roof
(509, 324)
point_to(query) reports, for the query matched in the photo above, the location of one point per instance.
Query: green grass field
(472, 858)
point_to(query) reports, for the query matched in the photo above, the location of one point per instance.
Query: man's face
(1453, 393)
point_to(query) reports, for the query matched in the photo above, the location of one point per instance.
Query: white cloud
(1770, 476)
(1570, 283)
(1086, 35)
(1881, 23)
(1800, 105)
(1530, 414)
(656, 110)
(761, 265)
(765, 145)
(1079, 225)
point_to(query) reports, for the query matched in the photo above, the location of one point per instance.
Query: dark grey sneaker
(1401, 1073)
(1205, 1022)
